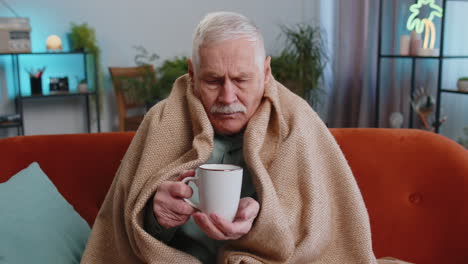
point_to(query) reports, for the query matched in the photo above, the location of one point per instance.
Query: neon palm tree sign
(425, 24)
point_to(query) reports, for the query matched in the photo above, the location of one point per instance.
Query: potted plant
(152, 86)
(283, 68)
(82, 86)
(462, 84)
(168, 72)
(301, 63)
(83, 38)
(142, 89)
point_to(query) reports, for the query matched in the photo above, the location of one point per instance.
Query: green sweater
(189, 237)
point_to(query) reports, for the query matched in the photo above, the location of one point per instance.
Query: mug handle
(186, 180)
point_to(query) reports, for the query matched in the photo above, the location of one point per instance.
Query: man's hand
(169, 208)
(221, 229)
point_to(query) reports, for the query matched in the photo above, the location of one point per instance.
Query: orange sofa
(414, 183)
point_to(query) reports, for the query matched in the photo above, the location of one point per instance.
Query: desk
(86, 95)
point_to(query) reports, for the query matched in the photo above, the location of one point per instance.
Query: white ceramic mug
(219, 189)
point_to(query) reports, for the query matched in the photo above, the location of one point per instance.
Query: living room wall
(163, 27)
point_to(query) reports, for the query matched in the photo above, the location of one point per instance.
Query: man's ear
(267, 68)
(192, 76)
(190, 68)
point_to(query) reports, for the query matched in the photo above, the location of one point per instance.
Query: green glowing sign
(425, 24)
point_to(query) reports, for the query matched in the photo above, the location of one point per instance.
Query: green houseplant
(168, 72)
(152, 86)
(142, 90)
(281, 68)
(301, 63)
(83, 39)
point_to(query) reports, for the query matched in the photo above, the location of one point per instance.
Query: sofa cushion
(37, 225)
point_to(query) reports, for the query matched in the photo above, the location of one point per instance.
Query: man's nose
(227, 94)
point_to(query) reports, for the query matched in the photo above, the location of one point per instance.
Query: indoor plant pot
(462, 85)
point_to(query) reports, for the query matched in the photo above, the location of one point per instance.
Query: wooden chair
(124, 102)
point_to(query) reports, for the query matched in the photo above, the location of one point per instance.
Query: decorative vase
(415, 43)
(405, 41)
(396, 120)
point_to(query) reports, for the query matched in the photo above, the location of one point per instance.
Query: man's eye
(212, 81)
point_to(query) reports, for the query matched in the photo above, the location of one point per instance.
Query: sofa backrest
(414, 183)
(415, 187)
(82, 166)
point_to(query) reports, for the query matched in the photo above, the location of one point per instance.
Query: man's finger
(185, 174)
(205, 224)
(180, 190)
(168, 221)
(183, 208)
(248, 213)
(248, 209)
(233, 230)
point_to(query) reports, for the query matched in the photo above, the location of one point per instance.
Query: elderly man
(300, 203)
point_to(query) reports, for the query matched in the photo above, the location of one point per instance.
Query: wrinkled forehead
(235, 56)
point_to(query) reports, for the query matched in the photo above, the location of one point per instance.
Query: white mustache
(228, 109)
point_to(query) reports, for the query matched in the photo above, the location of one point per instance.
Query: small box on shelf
(58, 85)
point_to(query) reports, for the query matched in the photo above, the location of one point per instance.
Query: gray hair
(220, 26)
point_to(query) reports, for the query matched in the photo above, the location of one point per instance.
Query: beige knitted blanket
(311, 210)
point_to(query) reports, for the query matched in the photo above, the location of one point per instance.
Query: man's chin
(227, 132)
(228, 127)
